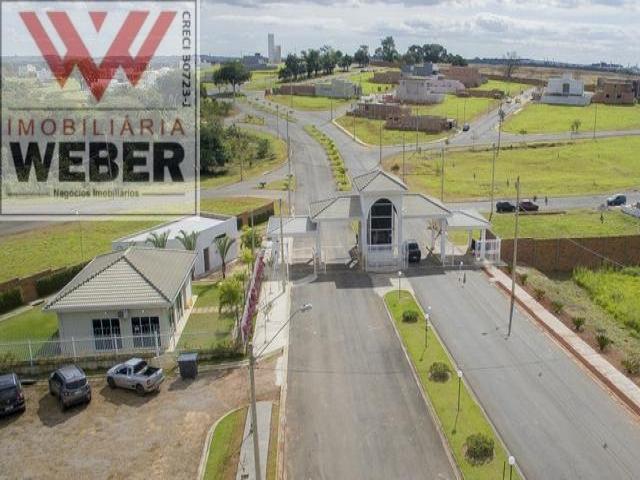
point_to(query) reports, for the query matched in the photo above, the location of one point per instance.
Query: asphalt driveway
(555, 419)
(353, 408)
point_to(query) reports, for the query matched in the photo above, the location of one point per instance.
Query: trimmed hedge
(52, 283)
(10, 299)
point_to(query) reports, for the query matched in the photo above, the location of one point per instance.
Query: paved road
(555, 419)
(354, 410)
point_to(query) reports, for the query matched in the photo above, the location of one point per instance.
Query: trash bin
(188, 364)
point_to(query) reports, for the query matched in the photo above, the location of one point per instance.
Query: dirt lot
(121, 434)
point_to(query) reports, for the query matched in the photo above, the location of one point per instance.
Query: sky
(580, 31)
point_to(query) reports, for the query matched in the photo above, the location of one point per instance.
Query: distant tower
(271, 51)
(278, 55)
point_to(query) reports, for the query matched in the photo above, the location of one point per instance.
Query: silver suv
(69, 384)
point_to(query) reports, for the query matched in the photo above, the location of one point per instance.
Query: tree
(575, 125)
(362, 56)
(293, 67)
(388, 50)
(188, 240)
(231, 73)
(158, 240)
(230, 293)
(457, 60)
(214, 152)
(345, 62)
(223, 246)
(328, 59)
(250, 237)
(311, 60)
(433, 52)
(414, 55)
(511, 62)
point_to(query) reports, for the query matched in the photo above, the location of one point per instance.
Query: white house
(208, 229)
(565, 90)
(133, 298)
(426, 89)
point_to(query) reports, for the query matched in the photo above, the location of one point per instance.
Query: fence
(60, 351)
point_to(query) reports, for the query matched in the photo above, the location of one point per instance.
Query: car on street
(617, 200)
(11, 394)
(69, 384)
(528, 206)
(412, 251)
(135, 374)
(466, 127)
(505, 207)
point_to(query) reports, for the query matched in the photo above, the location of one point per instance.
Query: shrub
(539, 293)
(479, 448)
(523, 278)
(439, 372)
(410, 316)
(395, 168)
(578, 323)
(632, 363)
(10, 299)
(557, 306)
(603, 339)
(52, 283)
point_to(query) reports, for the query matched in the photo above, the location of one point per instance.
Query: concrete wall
(292, 89)
(391, 77)
(423, 123)
(337, 88)
(426, 90)
(614, 93)
(574, 100)
(379, 111)
(470, 77)
(27, 285)
(563, 255)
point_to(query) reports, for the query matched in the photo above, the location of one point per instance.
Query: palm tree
(223, 246)
(230, 296)
(158, 240)
(188, 240)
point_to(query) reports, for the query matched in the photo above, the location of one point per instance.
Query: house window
(146, 332)
(381, 219)
(106, 333)
(565, 89)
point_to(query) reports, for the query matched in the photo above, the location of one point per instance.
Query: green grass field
(338, 168)
(299, 102)
(231, 205)
(232, 175)
(33, 324)
(580, 223)
(224, 451)
(368, 131)
(262, 80)
(282, 184)
(540, 118)
(509, 88)
(444, 396)
(368, 87)
(585, 167)
(464, 110)
(61, 244)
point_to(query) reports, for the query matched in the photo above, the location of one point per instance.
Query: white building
(565, 90)
(44, 75)
(338, 88)
(426, 89)
(129, 299)
(274, 52)
(208, 229)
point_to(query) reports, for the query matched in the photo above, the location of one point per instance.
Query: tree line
(312, 62)
(429, 52)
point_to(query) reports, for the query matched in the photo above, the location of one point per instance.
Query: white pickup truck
(135, 374)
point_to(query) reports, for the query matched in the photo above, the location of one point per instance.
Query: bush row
(10, 299)
(335, 159)
(54, 282)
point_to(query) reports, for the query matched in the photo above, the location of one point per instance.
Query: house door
(206, 259)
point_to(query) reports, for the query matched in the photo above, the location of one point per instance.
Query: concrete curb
(281, 473)
(349, 134)
(394, 145)
(607, 383)
(207, 444)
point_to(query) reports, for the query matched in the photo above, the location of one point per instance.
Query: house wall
(426, 90)
(291, 89)
(423, 123)
(556, 85)
(379, 111)
(390, 77)
(470, 77)
(337, 89)
(575, 100)
(614, 93)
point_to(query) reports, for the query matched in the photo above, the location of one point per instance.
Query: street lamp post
(426, 327)
(399, 281)
(254, 415)
(459, 386)
(77, 213)
(512, 462)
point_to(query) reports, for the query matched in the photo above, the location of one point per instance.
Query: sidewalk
(616, 381)
(272, 316)
(246, 465)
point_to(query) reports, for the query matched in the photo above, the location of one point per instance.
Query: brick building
(390, 77)
(423, 123)
(470, 77)
(614, 92)
(379, 111)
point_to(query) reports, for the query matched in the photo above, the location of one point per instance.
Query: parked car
(505, 207)
(466, 127)
(135, 374)
(11, 394)
(69, 384)
(412, 251)
(528, 206)
(617, 200)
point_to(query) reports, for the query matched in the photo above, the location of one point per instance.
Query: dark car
(11, 394)
(413, 252)
(69, 384)
(617, 200)
(505, 207)
(528, 206)
(466, 127)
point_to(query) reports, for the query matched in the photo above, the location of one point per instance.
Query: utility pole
(493, 180)
(354, 126)
(282, 246)
(403, 155)
(380, 159)
(288, 167)
(331, 104)
(595, 122)
(500, 118)
(278, 119)
(417, 116)
(254, 415)
(442, 178)
(515, 258)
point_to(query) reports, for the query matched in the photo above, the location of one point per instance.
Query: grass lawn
(276, 112)
(444, 395)
(338, 168)
(224, 451)
(509, 88)
(58, 245)
(578, 168)
(261, 80)
(231, 205)
(575, 223)
(462, 109)
(541, 118)
(368, 87)
(282, 184)
(300, 102)
(232, 175)
(368, 131)
(33, 324)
